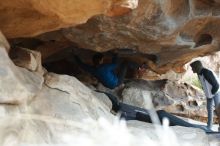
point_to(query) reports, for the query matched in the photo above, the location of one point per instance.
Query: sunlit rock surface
(17, 84)
(66, 112)
(23, 18)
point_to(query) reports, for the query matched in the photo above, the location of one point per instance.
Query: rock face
(27, 58)
(187, 100)
(66, 112)
(173, 31)
(170, 32)
(22, 18)
(41, 108)
(164, 34)
(178, 98)
(63, 111)
(17, 84)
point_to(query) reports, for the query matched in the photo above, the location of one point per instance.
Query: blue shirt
(105, 73)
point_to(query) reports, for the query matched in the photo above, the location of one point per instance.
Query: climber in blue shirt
(107, 73)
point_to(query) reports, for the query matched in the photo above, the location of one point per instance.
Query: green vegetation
(193, 80)
(196, 82)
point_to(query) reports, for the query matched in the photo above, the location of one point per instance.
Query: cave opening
(59, 56)
(63, 62)
(203, 39)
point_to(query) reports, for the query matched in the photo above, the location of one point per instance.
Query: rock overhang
(173, 32)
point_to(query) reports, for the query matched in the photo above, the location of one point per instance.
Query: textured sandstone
(64, 111)
(178, 98)
(17, 85)
(173, 31)
(22, 18)
(26, 58)
(67, 112)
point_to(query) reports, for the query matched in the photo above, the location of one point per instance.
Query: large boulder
(27, 58)
(78, 93)
(66, 112)
(172, 31)
(22, 18)
(164, 34)
(62, 108)
(17, 84)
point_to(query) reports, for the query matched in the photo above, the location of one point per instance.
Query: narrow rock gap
(203, 39)
(58, 56)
